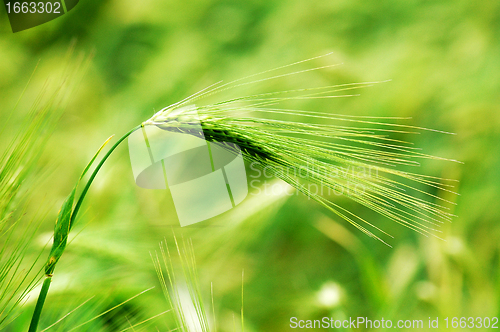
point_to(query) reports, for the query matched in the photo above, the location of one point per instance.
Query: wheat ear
(321, 151)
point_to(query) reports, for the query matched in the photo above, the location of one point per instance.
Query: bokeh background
(442, 58)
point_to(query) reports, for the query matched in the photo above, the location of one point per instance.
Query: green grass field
(125, 60)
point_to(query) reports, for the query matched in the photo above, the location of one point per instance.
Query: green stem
(39, 304)
(46, 284)
(89, 182)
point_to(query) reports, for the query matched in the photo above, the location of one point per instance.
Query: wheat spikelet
(303, 152)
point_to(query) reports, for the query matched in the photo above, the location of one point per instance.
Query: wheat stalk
(322, 152)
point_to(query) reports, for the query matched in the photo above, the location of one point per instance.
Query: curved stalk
(51, 262)
(89, 182)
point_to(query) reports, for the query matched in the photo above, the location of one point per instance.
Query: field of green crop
(106, 66)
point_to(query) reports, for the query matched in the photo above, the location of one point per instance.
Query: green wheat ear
(353, 155)
(171, 283)
(322, 152)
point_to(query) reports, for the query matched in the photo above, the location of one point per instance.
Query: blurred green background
(443, 58)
